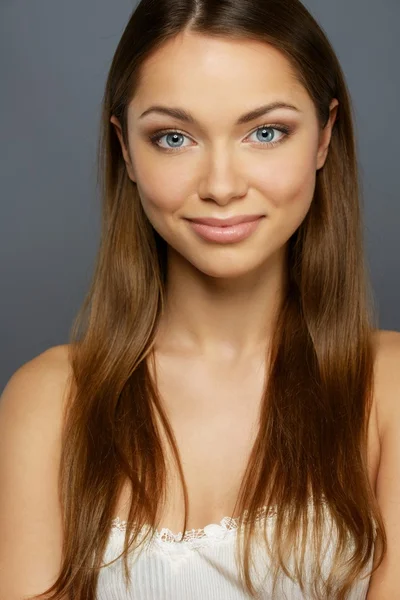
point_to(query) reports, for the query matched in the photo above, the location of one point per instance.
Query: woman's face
(215, 165)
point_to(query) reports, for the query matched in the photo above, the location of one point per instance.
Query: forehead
(192, 68)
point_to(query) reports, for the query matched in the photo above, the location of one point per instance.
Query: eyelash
(156, 137)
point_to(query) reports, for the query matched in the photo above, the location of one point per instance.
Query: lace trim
(212, 531)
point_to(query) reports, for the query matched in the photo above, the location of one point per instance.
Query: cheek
(162, 189)
(288, 187)
(161, 193)
(162, 196)
(290, 179)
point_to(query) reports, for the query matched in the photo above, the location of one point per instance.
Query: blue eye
(175, 137)
(266, 133)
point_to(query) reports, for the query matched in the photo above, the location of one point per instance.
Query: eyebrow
(185, 116)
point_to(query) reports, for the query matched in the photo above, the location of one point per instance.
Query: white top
(202, 567)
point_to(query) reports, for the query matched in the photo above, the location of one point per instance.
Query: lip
(228, 234)
(213, 222)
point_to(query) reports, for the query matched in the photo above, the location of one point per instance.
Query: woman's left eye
(265, 137)
(267, 130)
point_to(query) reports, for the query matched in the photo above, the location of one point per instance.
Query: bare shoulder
(31, 409)
(41, 384)
(51, 365)
(385, 582)
(387, 376)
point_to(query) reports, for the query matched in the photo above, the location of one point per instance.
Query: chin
(222, 270)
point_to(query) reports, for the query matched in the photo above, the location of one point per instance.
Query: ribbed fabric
(201, 568)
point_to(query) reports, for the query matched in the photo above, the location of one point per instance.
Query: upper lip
(225, 222)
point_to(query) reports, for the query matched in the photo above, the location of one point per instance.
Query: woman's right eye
(174, 138)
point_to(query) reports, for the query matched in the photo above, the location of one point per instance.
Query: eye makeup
(286, 130)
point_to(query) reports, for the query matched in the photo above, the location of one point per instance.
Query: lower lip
(225, 235)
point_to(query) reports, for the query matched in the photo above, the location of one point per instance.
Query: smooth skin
(223, 170)
(220, 169)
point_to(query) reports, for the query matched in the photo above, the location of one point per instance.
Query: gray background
(54, 59)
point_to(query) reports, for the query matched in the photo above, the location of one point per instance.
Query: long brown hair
(313, 425)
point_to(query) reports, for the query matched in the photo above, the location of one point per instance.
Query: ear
(125, 151)
(326, 134)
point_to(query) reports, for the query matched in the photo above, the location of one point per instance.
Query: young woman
(225, 377)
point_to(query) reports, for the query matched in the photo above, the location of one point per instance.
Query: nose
(223, 180)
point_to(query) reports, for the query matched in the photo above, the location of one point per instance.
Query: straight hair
(313, 423)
